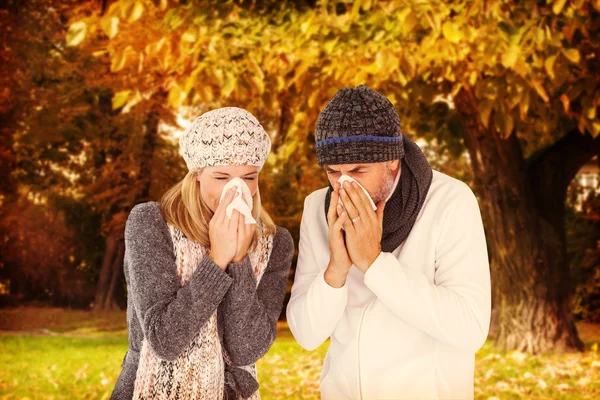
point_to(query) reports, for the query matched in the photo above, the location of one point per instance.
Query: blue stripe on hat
(357, 138)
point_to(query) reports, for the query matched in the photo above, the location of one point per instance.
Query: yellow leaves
(189, 36)
(372, 68)
(153, 49)
(473, 78)
(509, 58)
(518, 356)
(451, 32)
(312, 99)
(121, 58)
(257, 83)
(304, 26)
(206, 94)
(539, 36)
(505, 123)
(127, 10)
(408, 65)
(539, 89)
(387, 61)
(549, 66)
(229, 84)
(589, 109)
(126, 99)
(572, 55)
(524, 104)
(76, 33)
(110, 26)
(341, 22)
(120, 98)
(256, 69)
(401, 78)
(159, 52)
(173, 19)
(300, 118)
(190, 82)
(409, 23)
(281, 83)
(136, 11)
(330, 45)
(301, 69)
(485, 110)
(356, 6)
(434, 20)
(100, 53)
(176, 96)
(514, 94)
(558, 6)
(588, 118)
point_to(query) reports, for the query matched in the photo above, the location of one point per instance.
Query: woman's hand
(222, 232)
(245, 234)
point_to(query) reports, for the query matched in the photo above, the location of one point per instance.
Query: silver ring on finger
(355, 220)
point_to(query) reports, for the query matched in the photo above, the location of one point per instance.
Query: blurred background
(94, 94)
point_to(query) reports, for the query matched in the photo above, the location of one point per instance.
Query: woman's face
(213, 179)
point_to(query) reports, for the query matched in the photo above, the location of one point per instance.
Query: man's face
(376, 178)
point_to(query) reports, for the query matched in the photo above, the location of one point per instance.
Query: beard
(386, 187)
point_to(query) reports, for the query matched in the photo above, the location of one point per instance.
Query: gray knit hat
(225, 136)
(358, 126)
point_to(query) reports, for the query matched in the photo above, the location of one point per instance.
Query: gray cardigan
(169, 315)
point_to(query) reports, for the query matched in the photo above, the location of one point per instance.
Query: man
(403, 292)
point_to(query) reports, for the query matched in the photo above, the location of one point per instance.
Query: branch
(552, 170)
(104, 7)
(564, 158)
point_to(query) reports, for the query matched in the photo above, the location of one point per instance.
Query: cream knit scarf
(198, 373)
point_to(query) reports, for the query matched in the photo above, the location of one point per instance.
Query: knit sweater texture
(169, 315)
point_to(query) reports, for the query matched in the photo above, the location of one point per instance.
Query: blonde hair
(183, 206)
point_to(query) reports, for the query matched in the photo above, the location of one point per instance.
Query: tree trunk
(149, 146)
(111, 272)
(533, 302)
(112, 262)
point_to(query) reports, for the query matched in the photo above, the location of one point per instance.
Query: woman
(205, 289)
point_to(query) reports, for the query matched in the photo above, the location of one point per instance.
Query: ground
(50, 353)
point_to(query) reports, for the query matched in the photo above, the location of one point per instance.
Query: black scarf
(402, 208)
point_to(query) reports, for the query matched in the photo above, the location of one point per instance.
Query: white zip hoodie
(408, 328)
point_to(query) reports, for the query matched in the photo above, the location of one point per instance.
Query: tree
(84, 161)
(521, 80)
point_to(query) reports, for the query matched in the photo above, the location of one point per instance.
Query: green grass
(41, 367)
(52, 354)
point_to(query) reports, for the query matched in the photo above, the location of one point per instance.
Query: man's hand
(339, 263)
(363, 237)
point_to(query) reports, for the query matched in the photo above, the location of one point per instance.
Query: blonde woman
(206, 278)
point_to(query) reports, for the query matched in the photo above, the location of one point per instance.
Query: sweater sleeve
(456, 307)
(249, 313)
(170, 314)
(315, 307)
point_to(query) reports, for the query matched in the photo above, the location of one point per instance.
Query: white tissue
(345, 178)
(238, 203)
